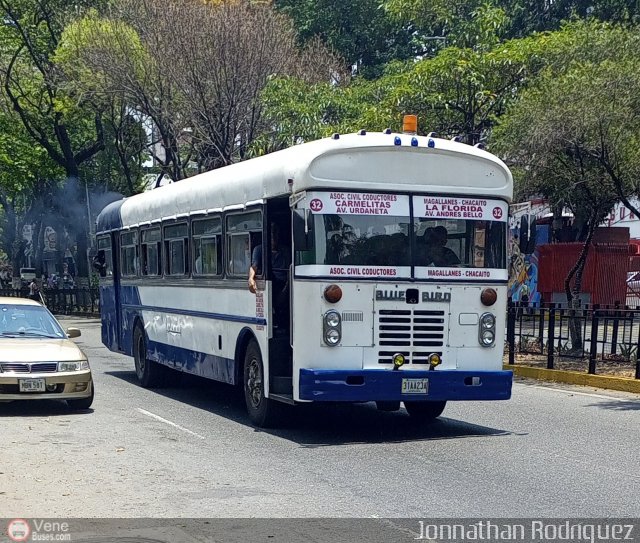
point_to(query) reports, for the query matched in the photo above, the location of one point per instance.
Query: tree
(112, 68)
(69, 133)
(459, 92)
(573, 138)
(359, 30)
(197, 72)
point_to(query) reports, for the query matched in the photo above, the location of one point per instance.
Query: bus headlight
(487, 330)
(332, 337)
(488, 321)
(332, 319)
(332, 328)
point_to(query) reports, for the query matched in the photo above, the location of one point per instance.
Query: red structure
(605, 275)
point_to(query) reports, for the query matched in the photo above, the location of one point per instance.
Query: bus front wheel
(425, 411)
(262, 411)
(149, 373)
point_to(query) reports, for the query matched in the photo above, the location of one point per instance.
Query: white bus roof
(370, 162)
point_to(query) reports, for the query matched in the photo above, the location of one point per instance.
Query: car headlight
(78, 365)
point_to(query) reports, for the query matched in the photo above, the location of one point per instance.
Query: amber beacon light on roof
(410, 124)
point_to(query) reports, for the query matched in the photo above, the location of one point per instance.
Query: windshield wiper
(27, 334)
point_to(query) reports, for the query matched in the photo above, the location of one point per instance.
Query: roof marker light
(387, 131)
(335, 136)
(397, 140)
(414, 142)
(432, 135)
(431, 143)
(410, 124)
(480, 145)
(457, 138)
(362, 133)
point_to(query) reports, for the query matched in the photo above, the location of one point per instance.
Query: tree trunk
(573, 294)
(9, 230)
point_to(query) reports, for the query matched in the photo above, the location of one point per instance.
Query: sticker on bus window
(443, 207)
(358, 203)
(389, 272)
(461, 274)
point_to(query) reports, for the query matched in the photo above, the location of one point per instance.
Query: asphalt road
(190, 451)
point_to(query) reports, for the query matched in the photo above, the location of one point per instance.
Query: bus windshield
(442, 239)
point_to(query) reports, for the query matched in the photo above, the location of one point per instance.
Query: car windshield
(28, 320)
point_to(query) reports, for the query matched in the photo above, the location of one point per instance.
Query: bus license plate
(415, 386)
(31, 385)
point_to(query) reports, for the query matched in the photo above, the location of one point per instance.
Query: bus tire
(425, 411)
(262, 411)
(150, 374)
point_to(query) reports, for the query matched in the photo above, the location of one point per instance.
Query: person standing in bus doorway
(280, 261)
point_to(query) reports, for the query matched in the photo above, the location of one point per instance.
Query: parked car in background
(37, 359)
(27, 275)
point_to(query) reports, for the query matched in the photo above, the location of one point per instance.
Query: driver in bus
(437, 252)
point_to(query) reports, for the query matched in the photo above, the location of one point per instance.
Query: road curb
(625, 384)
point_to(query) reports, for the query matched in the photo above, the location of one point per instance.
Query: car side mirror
(73, 332)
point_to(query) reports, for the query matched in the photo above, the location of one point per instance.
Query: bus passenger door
(278, 227)
(117, 303)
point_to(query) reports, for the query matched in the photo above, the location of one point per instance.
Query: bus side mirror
(302, 229)
(528, 234)
(533, 237)
(100, 264)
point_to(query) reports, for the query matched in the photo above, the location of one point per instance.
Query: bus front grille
(414, 333)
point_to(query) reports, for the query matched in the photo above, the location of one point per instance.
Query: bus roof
(370, 162)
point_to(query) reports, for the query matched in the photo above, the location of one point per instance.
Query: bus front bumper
(389, 385)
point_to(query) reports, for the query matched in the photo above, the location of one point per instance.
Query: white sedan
(37, 359)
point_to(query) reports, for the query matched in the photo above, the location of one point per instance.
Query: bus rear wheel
(425, 411)
(262, 411)
(150, 374)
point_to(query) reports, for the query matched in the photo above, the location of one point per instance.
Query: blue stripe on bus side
(209, 366)
(202, 314)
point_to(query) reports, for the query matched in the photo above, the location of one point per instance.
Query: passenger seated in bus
(280, 261)
(424, 245)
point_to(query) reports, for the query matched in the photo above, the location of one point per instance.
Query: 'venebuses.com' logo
(18, 530)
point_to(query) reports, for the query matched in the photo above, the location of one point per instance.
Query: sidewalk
(611, 382)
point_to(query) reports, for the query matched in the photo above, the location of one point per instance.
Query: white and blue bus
(393, 289)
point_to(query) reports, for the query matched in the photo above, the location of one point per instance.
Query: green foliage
(358, 30)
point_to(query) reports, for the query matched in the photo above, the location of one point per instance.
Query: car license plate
(31, 385)
(415, 386)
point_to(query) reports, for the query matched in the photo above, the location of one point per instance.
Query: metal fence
(603, 334)
(73, 301)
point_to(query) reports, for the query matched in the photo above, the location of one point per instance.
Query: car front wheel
(83, 403)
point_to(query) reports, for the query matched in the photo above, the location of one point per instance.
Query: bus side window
(244, 233)
(104, 258)
(129, 257)
(207, 248)
(151, 251)
(176, 238)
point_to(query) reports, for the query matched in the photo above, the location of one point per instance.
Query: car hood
(39, 350)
